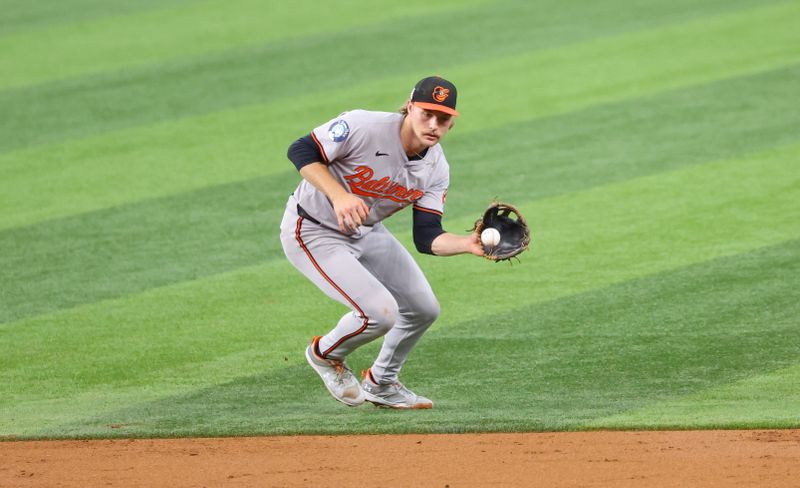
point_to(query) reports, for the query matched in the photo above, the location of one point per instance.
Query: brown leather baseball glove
(515, 236)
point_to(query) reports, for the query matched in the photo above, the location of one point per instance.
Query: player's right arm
(350, 210)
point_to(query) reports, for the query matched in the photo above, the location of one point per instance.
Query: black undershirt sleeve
(304, 151)
(427, 227)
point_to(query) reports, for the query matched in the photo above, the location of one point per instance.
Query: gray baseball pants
(375, 276)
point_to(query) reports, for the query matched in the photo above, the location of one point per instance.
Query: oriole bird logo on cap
(440, 94)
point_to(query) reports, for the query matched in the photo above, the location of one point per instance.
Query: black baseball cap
(435, 93)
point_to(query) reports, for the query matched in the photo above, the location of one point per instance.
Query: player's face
(429, 126)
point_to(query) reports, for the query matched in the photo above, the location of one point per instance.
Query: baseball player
(358, 169)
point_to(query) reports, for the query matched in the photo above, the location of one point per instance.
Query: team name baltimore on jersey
(362, 183)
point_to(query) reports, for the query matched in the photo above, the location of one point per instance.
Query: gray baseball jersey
(363, 152)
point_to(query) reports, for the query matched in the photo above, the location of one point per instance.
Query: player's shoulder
(367, 124)
(370, 117)
(358, 125)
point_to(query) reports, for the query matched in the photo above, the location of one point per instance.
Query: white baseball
(490, 237)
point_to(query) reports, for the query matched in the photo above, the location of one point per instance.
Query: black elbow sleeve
(304, 151)
(427, 227)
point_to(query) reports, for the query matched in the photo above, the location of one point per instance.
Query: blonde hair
(404, 108)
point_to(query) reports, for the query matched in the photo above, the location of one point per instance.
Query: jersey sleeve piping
(428, 210)
(321, 149)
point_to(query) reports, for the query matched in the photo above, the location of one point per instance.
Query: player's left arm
(431, 238)
(448, 244)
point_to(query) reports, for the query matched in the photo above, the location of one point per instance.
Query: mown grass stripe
(174, 32)
(135, 348)
(194, 86)
(758, 401)
(22, 15)
(613, 142)
(631, 65)
(146, 162)
(583, 241)
(63, 263)
(67, 262)
(584, 357)
(625, 230)
(563, 363)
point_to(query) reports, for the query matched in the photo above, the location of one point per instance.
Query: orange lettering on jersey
(377, 185)
(361, 183)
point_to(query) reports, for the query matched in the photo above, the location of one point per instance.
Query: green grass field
(653, 146)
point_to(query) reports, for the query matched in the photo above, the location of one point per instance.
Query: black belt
(302, 212)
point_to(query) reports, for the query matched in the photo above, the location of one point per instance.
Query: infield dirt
(618, 459)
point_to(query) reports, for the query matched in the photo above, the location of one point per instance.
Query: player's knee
(427, 311)
(383, 315)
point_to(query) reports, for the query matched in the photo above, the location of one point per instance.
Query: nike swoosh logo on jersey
(378, 153)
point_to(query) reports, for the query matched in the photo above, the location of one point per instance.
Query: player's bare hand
(351, 212)
(474, 245)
